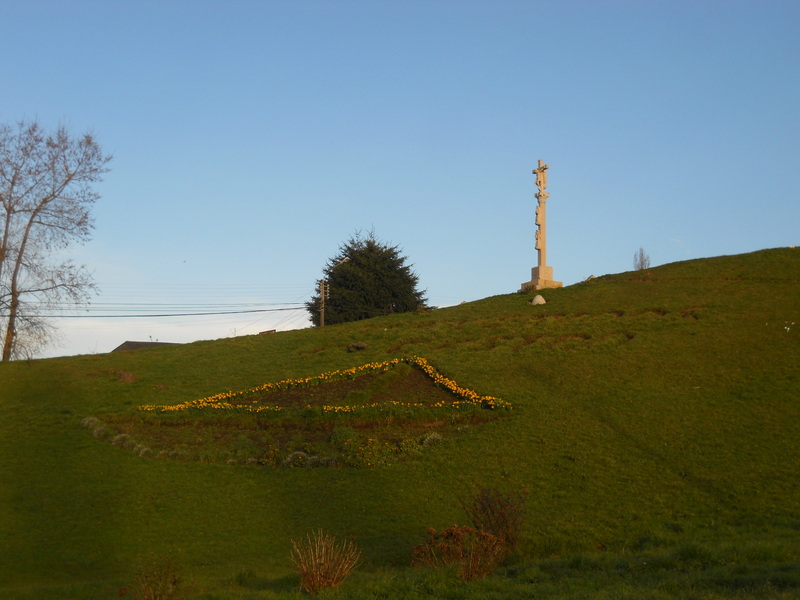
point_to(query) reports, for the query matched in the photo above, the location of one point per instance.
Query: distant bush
(156, 579)
(323, 562)
(409, 446)
(342, 436)
(641, 260)
(98, 428)
(124, 441)
(296, 459)
(502, 515)
(430, 439)
(102, 433)
(243, 447)
(90, 422)
(475, 553)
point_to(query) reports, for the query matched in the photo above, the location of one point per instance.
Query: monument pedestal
(541, 279)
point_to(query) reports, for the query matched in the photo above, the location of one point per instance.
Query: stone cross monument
(541, 275)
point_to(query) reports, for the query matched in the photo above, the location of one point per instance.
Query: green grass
(655, 427)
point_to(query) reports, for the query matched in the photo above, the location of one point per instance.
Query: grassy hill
(656, 429)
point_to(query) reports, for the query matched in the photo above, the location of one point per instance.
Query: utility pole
(323, 293)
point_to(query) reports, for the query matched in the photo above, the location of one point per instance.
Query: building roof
(124, 346)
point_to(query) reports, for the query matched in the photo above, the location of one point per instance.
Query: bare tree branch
(46, 193)
(641, 260)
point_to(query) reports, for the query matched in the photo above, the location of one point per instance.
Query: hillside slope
(651, 408)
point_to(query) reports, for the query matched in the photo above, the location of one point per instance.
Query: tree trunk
(8, 342)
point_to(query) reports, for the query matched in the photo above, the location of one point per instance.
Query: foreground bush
(156, 579)
(500, 514)
(322, 562)
(476, 553)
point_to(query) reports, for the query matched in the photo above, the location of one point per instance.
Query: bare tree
(45, 200)
(641, 260)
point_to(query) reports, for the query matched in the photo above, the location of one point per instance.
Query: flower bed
(254, 400)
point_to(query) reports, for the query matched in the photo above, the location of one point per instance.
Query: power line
(165, 315)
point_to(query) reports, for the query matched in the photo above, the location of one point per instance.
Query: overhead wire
(172, 302)
(166, 315)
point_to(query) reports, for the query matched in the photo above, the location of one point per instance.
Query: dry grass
(476, 553)
(322, 561)
(156, 579)
(502, 515)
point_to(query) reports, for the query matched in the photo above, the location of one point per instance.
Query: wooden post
(322, 294)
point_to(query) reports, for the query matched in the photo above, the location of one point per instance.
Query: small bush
(409, 446)
(342, 436)
(102, 433)
(431, 439)
(476, 553)
(323, 562)
(90, 422)
(303, 459)
(244, 447)
(98, 428)
(500, 514)
(156, 579)
(123, 440)
(641, 260)
(321, 461)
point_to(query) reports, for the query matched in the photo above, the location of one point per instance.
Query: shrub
(244, 447)
(296, 459)
(341, 437)
(156, 579)
(102, 433)
(322, 562)
(409, 446)
(98, 428)
(123, 440)
(641, 260)
(321, 461)
(431, 439)
(90, 422)
(497, 513)
(476, 553)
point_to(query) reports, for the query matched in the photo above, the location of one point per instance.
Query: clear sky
(251, 138)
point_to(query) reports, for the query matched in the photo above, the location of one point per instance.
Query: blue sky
(251, 138)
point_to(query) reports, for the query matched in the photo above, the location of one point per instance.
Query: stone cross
(541, 213)
(541, 275)
(541, 176)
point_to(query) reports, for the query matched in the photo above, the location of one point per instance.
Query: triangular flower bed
(370, 415)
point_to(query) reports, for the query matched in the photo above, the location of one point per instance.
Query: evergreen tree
(366, 278)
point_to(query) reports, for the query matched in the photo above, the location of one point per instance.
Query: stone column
(541, 275)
